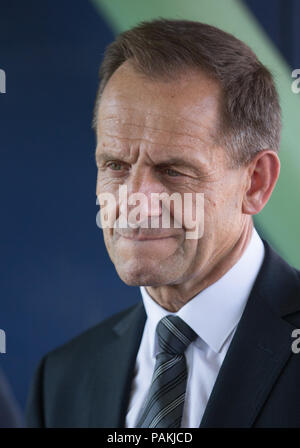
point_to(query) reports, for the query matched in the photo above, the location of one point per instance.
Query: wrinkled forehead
(189, 102)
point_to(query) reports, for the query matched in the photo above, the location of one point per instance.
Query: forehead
(175, 113)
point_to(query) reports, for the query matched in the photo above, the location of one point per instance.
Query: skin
(143, 125)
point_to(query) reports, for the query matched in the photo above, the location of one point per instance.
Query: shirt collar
(214, 312)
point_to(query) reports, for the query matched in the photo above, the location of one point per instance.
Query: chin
(141, 275)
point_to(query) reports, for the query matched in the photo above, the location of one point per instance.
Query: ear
(263, 172)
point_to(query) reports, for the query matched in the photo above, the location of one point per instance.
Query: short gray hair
(250, 118)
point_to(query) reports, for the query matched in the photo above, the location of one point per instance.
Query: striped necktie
(164, 405)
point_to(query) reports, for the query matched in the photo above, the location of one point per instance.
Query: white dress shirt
(213, 314)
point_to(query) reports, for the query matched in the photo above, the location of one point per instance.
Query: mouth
(143, 238)
(138, 236)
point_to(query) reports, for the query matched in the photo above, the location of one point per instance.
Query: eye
(115, 166)
(172, 173)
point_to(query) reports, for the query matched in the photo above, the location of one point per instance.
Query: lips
(144, 236)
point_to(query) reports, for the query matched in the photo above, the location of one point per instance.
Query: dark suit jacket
(10, 414)
(87, 382)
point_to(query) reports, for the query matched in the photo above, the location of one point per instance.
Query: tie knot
(174, 335)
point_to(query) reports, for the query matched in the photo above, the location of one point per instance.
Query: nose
(143, 190)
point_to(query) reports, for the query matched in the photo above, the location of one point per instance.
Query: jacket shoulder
(91, 340)
(280, 283)
(62, 379)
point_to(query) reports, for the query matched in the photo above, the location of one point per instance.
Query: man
(184, 107)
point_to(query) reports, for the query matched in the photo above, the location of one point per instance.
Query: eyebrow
(105, 156)
(177, 161)
(174, 161)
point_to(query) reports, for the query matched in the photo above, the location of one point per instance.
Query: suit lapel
(257, 355)
(114, 370)
(259, 350)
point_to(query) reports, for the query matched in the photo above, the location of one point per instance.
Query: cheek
(223, 208)
(105, 183)
(108, 212)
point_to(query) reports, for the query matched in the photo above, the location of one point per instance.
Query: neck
(174, 297)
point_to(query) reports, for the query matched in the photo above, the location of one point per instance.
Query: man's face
(158, 136)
